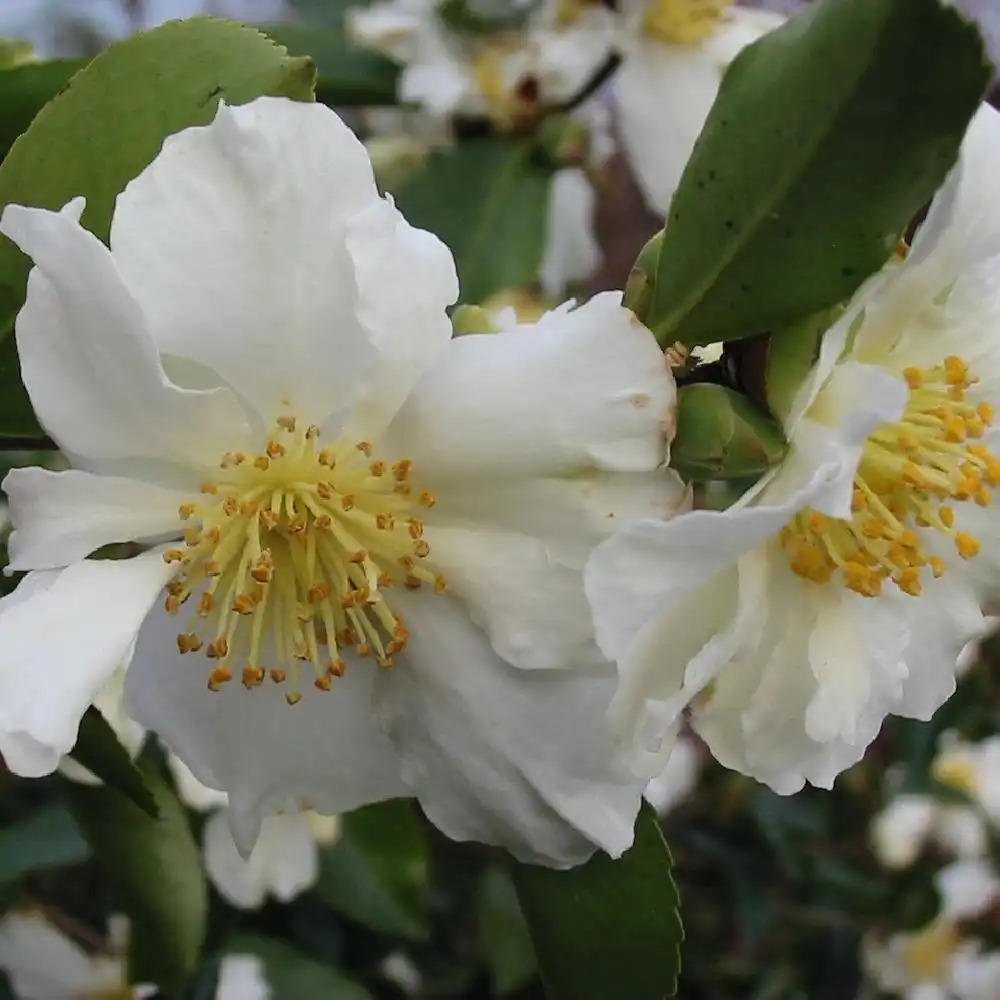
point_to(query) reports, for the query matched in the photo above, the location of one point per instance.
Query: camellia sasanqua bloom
(844, 585)
(367, 538)
(675, 54)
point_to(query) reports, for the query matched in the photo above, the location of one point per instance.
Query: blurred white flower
(901, 829)
(571, 250)
(844, 585)
(44, 964)
(678, 778)
(938, 962)
(261, 368)
(676, 52)
(242, 977)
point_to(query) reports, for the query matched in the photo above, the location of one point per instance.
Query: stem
(602, 74)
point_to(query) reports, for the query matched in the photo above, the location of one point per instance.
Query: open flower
(844, 585)
(676, 52)
(939, 962)
(368, 537)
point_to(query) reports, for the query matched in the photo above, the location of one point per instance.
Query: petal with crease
(61, 517)
(233, 242)
(518, 759)
(87, 359)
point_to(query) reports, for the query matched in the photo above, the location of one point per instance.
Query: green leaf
(15, 52)
(48, 838)
(827, 137)
(26, 89)
(487, 199)
(348, 75)
(504, 939)
(295, 976)
(791, 354)
(376, 874)
(100, 752)
(608, 928)
(109, 123)
(154, 866)
(722, 435)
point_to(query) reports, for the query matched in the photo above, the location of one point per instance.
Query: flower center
(927, 954)
(510, 102)
(956, 771)
(290, 553)
(908, 473)
(684, 22)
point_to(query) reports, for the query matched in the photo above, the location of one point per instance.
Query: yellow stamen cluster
(684, 22)
(909, 474)
(288, 555)
(511, 103)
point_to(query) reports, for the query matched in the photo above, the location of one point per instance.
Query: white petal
(233, 242)
(62, 517)
(967, 888)
(572, 515)
(962, 227)
(579, 389)
(87, 359)
(283, 862)
(898, 832)
(406, 279)
(677, 779)
(532, 608)
(961, 832)
(242, 977)
(60, 644)
(571, 250)
(975, 977)
(190, 790)
(324, 751)
(502, 756)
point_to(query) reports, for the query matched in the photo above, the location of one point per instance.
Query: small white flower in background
(242, 977)
(571, 253)
(939, 962)
(378, 532)
(506, 75)
(909, 821)
(845, 584)
(44, 964)
(284, 860)
(678, 779)
(675, 53)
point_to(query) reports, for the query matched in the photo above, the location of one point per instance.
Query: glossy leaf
(110, 122)
(25, 89)
(607, 928)
(504, 939)
(487, 199)
(376, 874)
(827, 137)
(155, 867)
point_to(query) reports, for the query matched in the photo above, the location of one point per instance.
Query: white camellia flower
(938, 962)
(901, 829)
(678, 779)
(506, 75)
(675, 53)
(242, 977)
(378, 530)
(844, 585)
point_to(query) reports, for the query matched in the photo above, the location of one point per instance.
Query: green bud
(563, 140)
(791, 354)
(471, 319)
(722, 435)
(639, 287)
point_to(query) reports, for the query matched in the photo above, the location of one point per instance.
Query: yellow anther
(325, 490)
(401, 469)
(421, 548)
(440, 584)
(357, 557)
(186, 511)
(218, 649)
(205, 604)
(365, 447)
(243, 604)
(188, 642)
(336, 668)
(324, 683)
(293, 697)
(347, 502)
(275, 449)
(209, 487)
(319, 592)
(262, 462)
(277, 675)
(937, 566)
(426, 498)
(230, 506)
(385, 522)
(286, 423)
(914, 377)
(987, 413)
(326, 458)
(947, 516)
(253, 676)
(312, 432)
(967, 546)
(173, 556)
(218, 677)
(956, 370)
(377, 468)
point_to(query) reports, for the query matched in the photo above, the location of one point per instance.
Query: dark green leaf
(110, 122)
(348, 75)
(504, 939)
(487, 199)
(722, 435)
(376, 874)
(294, 976)
(155, 867)
(26, 89)
(608, 928)
(827, 137)
(99, 750)
(48, 838)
